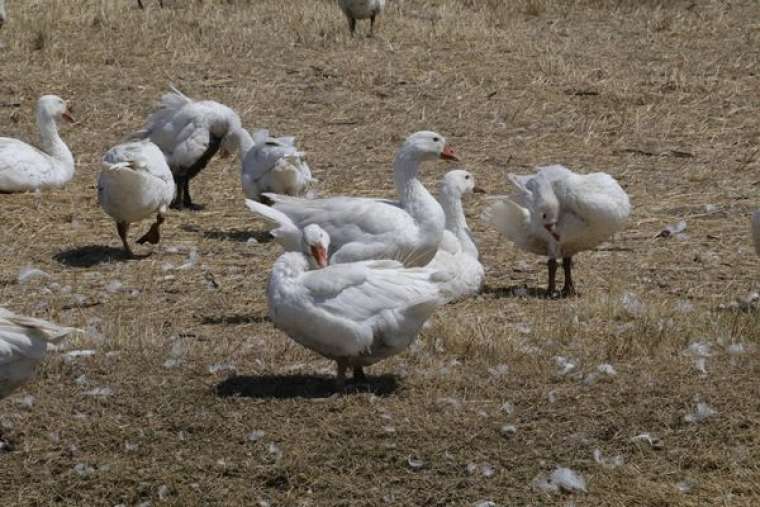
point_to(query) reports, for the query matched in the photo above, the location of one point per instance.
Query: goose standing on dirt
(458, 255)
(559, 213)
(408, 230)
(356, 313)
(189, 133)
(361, 9)
(23, 167)
(23, 344)
(135, 182)
(274, 164)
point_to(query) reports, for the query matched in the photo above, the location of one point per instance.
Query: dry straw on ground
(663, 95)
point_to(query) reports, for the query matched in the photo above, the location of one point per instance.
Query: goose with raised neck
(25, 168)
(408, 230)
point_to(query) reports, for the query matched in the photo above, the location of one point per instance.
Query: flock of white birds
(360, 276)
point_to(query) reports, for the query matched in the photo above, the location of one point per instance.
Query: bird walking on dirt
(361, 9)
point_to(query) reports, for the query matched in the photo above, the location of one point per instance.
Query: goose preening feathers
(558, 213)
(190, 133)
(361, 9)
(25, 168)
(458, 255)
(274, 164)
(408, 230)
(135, 183)
(23, 344)
(356, 313)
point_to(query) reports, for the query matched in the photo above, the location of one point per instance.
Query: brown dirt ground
(663, 95)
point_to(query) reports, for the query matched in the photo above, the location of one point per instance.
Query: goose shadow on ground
(92, 255)
(515, 291)
(231, 235)
(300, 386)
(234, 319)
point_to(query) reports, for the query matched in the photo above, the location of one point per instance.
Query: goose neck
(456, 222)
(52, 144)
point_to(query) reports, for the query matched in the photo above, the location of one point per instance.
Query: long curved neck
(456, 222)
(246, 142)
(413, 195)
(52, 144)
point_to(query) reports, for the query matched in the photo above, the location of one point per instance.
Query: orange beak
(320, 255)
(67, 115)
(448, 153)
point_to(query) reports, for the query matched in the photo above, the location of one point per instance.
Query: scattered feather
(508, 407)
(26, 402)
(101, 392)
(612, 462)
(683, 306)
(508, 430)
(701, 412)
(565, 365)
(73, 355)
(485, 469)
(653, 441)
(192, 260)
(114, 286)
(275, 451)
(561, 479)
(414, 462)
(672, 230)
(222, 367)
(255, 436)
(499, 370)
(552, 396)
(163, 492)
(84, 470)
(29, 273)
(632, 305)
(485, 503)
(686, 486)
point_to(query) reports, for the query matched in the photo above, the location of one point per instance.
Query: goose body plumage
(24, 168)
(190, 133)
(23, 344)
(135, 183)
(354, 313)
(409, 230)
(458, 254)
(559, 213)
(274, 164)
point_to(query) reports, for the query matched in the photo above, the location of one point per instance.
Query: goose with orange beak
(23, 167)
(356, 313)
(408, 230)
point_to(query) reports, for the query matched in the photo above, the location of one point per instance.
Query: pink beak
(448, 153)
(320, 255)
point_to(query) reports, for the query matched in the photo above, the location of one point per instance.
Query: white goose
(559, 213)
(189, 134)
(23, 167)
(361, 9)
(23, 344)
(135, 182)
(274, 164)
(408, 230)
(756, 231)
(458, 255)
(356, 313)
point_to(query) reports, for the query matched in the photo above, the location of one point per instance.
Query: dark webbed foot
(153, 236)
(359, 376)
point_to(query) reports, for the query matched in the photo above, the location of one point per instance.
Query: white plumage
(135, 183)
(274, 164)
(190, 133)
(361, 9)
(408, 230)
(458, 254)
(559, 213)
(25, 168)
(23, 344)
(356, 313)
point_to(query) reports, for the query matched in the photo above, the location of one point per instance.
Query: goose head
(225, 124)
(545, 204)
(427, 145)
(315, 244)
(54, 107)
(458, 183)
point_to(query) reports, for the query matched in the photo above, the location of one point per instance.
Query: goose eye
(467, 177)
(543, 215)
(436, 139)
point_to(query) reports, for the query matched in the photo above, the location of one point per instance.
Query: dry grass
(661, 94)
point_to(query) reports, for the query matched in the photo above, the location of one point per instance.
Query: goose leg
(153, 236)
(139, 4)
(569, 289)
(372, 26)
(122, 228)
(552, 287)
(187, 202)
(340, 381)
(359, 376)
(177, 202)
(352, 25)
